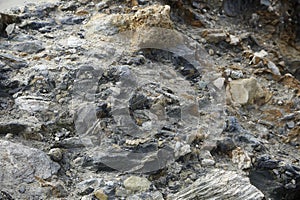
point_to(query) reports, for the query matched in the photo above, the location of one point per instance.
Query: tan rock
(135, 183)
(100, 195)
(246, 91)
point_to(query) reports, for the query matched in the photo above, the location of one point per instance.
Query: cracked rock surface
(138, 99)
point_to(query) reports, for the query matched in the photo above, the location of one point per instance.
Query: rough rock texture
(21, 165)
(195, 99)
(5, 20)
(220, 184)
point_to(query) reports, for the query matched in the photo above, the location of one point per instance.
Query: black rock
(265, 162)
(11, 127)
(226, 145)
(103, 110)
(233, 8)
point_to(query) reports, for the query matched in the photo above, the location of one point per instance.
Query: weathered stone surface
(126, 88)
(13, 61)
(22, 165)
(152, 16)
(100, 195)
(5, 20)
(29, 47)
(246, 91)
(135, 184)
(222, 184)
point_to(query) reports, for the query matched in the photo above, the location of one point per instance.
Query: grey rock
(290, 124)
(13, 61)
(219, 184)
(71, 20)
(36, 25)
(23, 165)
(127, 161)
(29, 47)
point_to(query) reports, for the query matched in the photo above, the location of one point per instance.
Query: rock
(150, 16)
(74, 42)
(36, 25)
(207, 162)
(29, 47)
(214, 36)
(12, 61)
(5, 20)
(234, 40)
(100, 195)
(22, 164)
(181, 149)
(32, 103)
(258, 56)
(241, 158)
(246, 91)
(12, 127)
(234, 8)
(225, 145)
(55, 154)
(225, 184)
(273, 68)
(290, 124)
(136, 184)
(278, 180)
(219, 83)
(71, 20)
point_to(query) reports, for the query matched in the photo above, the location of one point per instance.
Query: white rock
(274, 68)
(219, 83)
(234, 40)
(219, 184)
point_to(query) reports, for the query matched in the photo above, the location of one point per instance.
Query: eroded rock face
(127, 100)
(223, 184)
(21, 165)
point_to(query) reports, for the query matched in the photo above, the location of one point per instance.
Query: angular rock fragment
(246, 91)
(5, 20)
(135, 183)
(29, 47)
(23, 165)
(220, 184)
(13, 61)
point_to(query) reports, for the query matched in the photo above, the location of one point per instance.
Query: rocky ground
(164, 99)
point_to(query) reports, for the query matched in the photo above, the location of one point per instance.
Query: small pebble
(290, 124)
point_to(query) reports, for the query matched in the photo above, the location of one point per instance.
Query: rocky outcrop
(164, 99)
(219, 184)
(22, 165)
